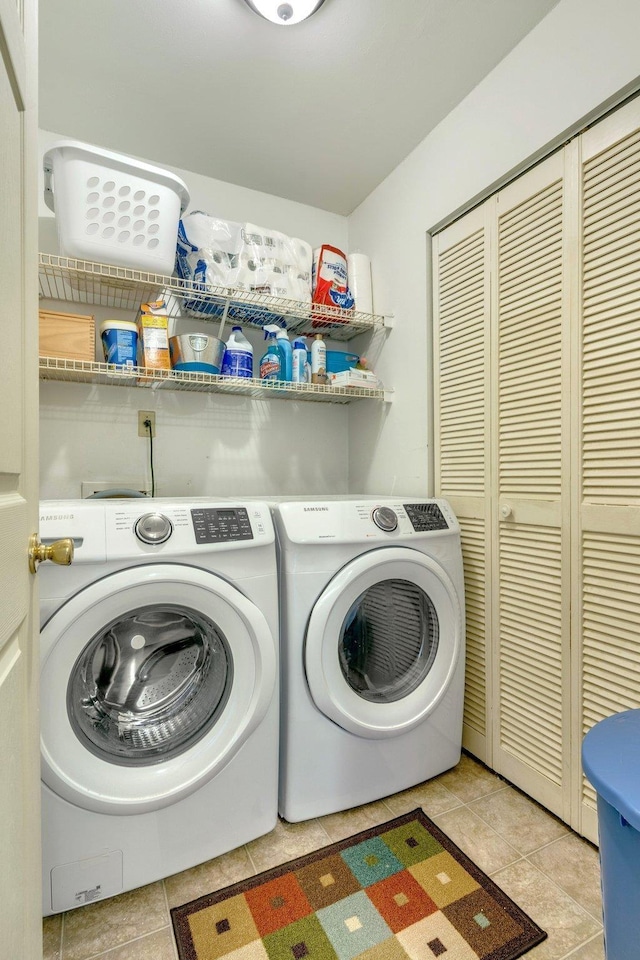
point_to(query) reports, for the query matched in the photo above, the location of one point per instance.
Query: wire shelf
(82, 281)
(106, 374)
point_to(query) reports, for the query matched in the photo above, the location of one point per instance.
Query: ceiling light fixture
(285, 13)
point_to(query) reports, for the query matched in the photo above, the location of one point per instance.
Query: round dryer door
(383, 642)
(152, 679)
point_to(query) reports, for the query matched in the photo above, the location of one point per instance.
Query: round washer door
(151, 680)
(383, 642)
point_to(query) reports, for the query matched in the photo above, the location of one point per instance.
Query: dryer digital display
(426, 516)
(216, 526)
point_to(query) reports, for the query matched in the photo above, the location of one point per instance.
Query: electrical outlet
(143, 430)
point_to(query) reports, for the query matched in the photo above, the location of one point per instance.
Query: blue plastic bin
(337, 360)
(611, 761)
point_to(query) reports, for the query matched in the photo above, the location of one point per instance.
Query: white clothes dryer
(159, 690)
(372, 649)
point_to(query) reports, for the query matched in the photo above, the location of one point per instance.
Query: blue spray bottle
(271, 361)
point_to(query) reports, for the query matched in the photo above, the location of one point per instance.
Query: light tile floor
(548, 870)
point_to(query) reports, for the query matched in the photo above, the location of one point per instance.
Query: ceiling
(319, 112)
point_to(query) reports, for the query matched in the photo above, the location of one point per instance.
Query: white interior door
(19, 753)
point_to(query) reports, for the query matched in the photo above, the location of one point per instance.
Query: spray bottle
(271, 362)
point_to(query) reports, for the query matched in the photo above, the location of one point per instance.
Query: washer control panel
(216, 525)
(425, 516)
(153, 528)
(160, 529)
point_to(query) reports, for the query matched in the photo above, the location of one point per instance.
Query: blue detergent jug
(238, 355)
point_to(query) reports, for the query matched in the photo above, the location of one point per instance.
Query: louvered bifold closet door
(607, 622)
(530, 431)
(461, 407)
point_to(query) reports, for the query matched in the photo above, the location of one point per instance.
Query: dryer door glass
(149, 685)
(389, 640)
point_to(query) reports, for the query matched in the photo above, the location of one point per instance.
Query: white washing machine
(372, 649)
(159, 690)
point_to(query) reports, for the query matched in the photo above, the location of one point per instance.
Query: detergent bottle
(271, 362)
(319, 360)
(238, 355)
(299, 361)
(287, 355)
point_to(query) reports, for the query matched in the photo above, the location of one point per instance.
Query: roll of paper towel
(359, 278)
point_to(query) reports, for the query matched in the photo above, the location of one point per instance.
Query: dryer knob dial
(385, 518)
(153, 528)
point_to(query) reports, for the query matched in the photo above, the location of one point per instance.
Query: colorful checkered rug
(399, 891)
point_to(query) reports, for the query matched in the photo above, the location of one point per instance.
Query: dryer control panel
(358, 520)
(426, 516)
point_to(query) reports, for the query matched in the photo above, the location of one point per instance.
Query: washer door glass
(149, 685)
(388, 641)
(384, 641)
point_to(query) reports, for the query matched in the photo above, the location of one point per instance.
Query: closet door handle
(506, 511)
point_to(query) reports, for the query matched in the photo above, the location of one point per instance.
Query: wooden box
(70, 336)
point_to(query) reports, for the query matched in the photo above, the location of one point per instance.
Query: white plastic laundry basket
(113, 209)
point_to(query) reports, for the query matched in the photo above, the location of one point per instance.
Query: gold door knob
(59, 552)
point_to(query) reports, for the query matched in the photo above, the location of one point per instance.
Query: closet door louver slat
(530, 653)
(609, 534)
(461, 368)
(461, 287)
(475, 560)
(610, 640)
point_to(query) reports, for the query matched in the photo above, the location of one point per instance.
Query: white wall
(576, 59)
(206, 444)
